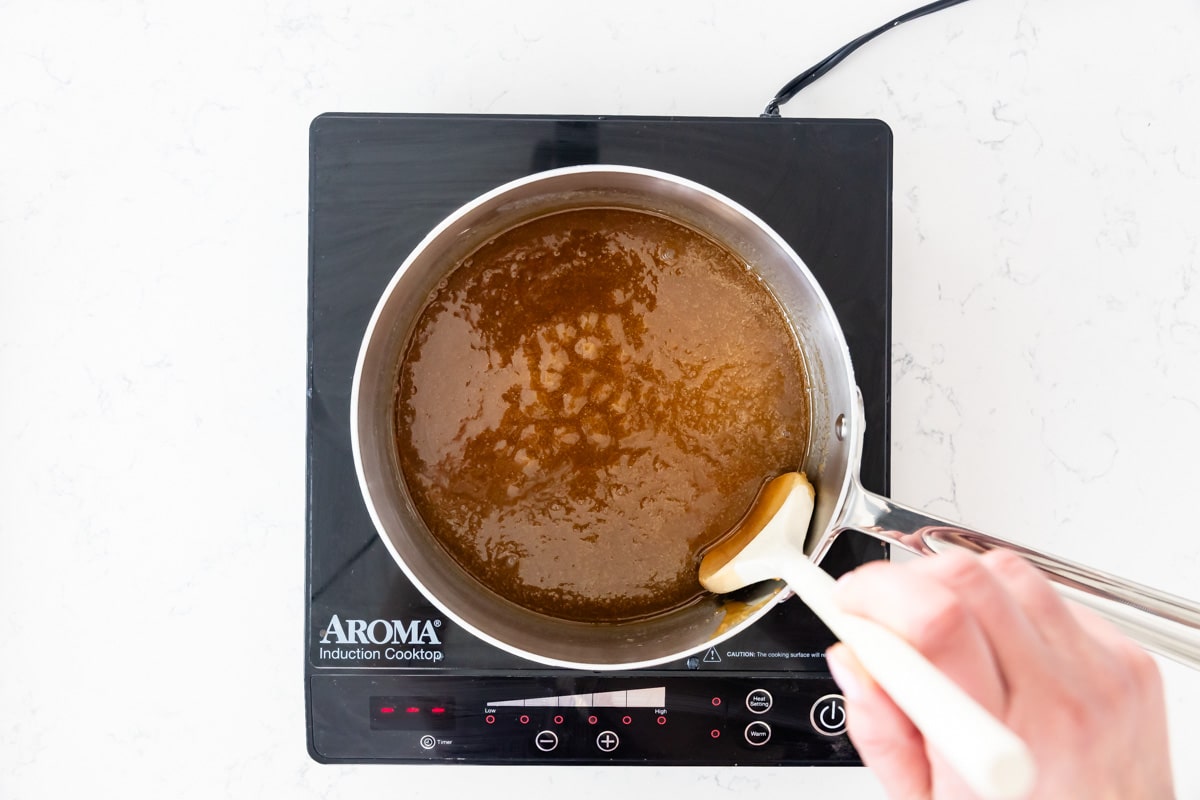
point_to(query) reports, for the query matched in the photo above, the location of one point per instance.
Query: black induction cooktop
(387, 677)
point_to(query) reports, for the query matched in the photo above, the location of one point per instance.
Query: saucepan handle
(1160, 622)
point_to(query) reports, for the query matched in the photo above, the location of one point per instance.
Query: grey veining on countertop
(153, 175)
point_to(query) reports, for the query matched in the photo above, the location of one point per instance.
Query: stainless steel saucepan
(1163, 623)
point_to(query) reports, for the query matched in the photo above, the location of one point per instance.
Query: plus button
(607, 741)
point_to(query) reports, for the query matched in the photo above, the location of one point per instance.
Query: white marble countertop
(153, 169)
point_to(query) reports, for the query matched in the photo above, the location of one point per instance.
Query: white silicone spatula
(769, 543)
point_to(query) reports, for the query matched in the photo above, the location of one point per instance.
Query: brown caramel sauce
(589, 401)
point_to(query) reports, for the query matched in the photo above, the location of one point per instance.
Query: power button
(828, 715)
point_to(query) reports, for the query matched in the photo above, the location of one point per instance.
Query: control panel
(580, 718)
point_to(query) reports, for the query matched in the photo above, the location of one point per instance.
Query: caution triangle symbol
(712, 656)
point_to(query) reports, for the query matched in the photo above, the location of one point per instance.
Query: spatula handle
(993, 761)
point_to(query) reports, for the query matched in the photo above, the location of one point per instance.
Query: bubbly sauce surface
(589, 401)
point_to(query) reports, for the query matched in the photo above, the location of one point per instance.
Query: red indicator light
(625, 720)
(592, 720)
(490, 719)
(524, 719)
(387, 710)
(412, 710)
(438, 710)
(716, 734)
(558, 719)
(662, 720)
(716, 701)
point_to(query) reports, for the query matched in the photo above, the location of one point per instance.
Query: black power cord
(836, 57)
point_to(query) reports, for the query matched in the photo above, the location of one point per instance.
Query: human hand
(1087, 701)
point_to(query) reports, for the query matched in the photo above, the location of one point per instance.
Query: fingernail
(844, 672)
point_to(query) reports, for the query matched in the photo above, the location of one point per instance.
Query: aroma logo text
(381, 631)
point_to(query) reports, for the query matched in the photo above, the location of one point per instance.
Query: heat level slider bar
(655, 697)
